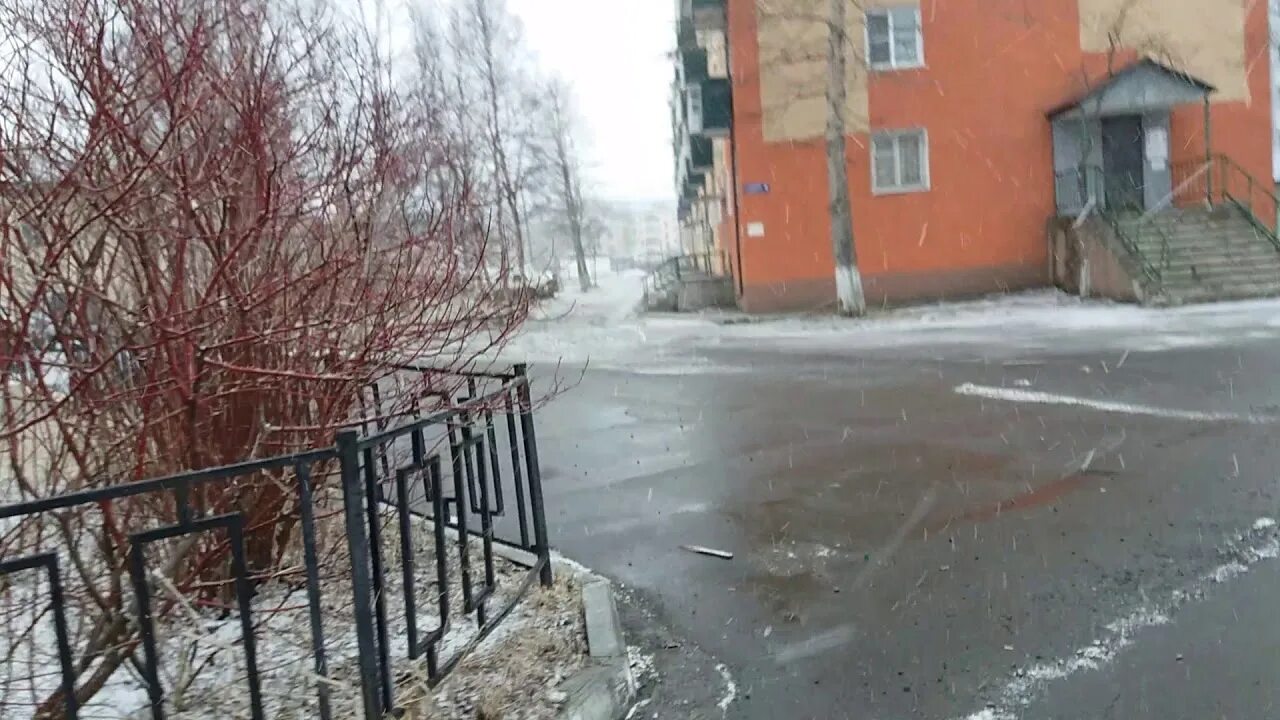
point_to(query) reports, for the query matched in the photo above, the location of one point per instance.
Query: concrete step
(1190, 230)
(1206, 255)
(1189, 222)
(1191, 234)
(1194, 229)
(1225, 280)
(1205, 238)
(1219, 270)
(1243, 252)
(664, 301)
(1215, 259)
(1184, 292)
(1208, 241)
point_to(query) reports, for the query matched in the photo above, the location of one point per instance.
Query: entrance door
(1122, 162)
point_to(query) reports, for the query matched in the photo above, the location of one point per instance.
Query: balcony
(694, 150)
(710, 107)
(689, 180)
(693, 64)
(690, 188)
(686, 36)
(701, 155)
(705, 14)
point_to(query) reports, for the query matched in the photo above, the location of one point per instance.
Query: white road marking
(1044, 398)
(1027, 684)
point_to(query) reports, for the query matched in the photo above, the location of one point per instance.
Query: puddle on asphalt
(1036, 497)
(786, 596)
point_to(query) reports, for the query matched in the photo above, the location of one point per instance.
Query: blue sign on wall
(756, 188)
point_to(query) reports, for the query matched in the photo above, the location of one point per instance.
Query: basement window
(894, 40)
(899, 161)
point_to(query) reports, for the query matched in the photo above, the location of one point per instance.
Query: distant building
(640, 232)
(971, 125)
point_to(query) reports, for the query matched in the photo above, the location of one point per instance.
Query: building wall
(994, 68)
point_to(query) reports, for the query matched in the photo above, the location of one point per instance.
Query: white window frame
(893, 64)
(898, 188)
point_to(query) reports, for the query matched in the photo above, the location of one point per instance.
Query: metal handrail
(1218, 180)
(675, 269)
(1090, 186)
(1132, 246)
(1214, 181)
(1230, 170)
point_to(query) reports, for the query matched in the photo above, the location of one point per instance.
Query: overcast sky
(614, 54)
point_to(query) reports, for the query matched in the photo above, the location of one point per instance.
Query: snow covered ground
(604, 328)
(202, 659)
(1040, 320)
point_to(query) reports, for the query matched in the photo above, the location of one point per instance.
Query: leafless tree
(220, 221)
(564, 157)
(492, 63)
(838, 62)
(850, 299)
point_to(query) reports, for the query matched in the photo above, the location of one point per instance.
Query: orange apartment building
(972, 124)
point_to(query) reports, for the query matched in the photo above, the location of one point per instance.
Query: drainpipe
(1208, 150)
(733, 150)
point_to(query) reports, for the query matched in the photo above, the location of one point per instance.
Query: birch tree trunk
(566, 162)
(850, 299)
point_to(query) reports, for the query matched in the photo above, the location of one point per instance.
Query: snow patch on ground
(1050, 319)
(1242, 554)
(730, 689)
(203, 653)
(640, 663)
(638, 707)
(604, 327)
(573, 566)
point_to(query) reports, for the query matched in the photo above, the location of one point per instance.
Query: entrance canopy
(1142, 87)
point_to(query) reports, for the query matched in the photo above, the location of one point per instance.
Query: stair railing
(1084, 187)
(1188, 188)
(674, 270)
(1259, 203)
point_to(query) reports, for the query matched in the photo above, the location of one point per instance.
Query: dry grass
(513, 674)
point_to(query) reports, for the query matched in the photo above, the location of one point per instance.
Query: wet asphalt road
(906, 551)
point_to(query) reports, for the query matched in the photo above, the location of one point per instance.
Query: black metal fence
(397, 578)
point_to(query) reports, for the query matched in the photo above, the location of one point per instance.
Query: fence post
(361, 583)
(534, 471)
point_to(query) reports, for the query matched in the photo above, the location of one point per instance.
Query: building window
(893, 38)
(899, 161)
(694, 95)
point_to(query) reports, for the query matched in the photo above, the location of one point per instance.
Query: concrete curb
(604, 688)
